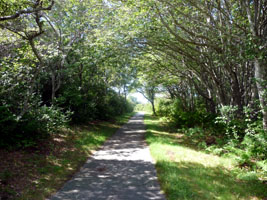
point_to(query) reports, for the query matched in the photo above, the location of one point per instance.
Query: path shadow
(113, 179)
(123, 170)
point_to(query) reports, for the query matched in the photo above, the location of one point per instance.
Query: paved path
(122, 170)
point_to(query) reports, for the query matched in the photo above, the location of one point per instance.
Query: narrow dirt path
(122, 170)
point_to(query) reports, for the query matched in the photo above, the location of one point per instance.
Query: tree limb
(27, 11)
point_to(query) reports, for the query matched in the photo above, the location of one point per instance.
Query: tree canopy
(80, 59)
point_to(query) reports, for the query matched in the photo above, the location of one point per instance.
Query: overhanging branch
(28, 11)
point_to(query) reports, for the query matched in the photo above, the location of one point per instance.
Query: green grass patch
(186, 172)
(42, 171)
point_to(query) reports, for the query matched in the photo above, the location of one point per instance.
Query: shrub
(256, 144)
(232, 125)
(51, 119)
(245, 137)
(187, 119)
(35, 124)
(83, 107)
(98, 103)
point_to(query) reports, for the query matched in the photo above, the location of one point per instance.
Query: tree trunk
(153, 108)
(53, 82)
(258, 27)
(260, 76)
(210, 106)
(237, 95)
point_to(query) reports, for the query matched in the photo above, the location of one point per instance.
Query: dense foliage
(221, 133)
(56, 68)
(78, 60)
(208, 58)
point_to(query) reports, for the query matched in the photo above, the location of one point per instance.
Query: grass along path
(35, 173)
(188, 173)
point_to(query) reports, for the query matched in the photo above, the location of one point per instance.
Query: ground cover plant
(187, 171)
(226, 132)
(38, 171)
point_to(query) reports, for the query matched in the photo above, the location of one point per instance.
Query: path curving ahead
(122, 170)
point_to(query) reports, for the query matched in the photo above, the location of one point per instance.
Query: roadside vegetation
(38, 171)
(60, 92)
(187, 170)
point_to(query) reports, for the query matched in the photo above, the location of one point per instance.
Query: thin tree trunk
(153, 108)
(260, 67)
(260, 76)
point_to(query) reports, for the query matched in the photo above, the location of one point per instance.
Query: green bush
(164, 107)
(232, 125)
(33, 125)
(184, 119)
(255, 145)
(51, 119)
(83, 106)
(231, 133)
(111, 105)
(98, 103)
(243, 137)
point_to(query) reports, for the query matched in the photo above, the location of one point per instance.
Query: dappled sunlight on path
(123, 169)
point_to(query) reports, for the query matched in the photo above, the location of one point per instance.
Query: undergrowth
(38, 171)
(188, 169)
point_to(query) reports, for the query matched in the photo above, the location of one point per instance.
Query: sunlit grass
(79, 143)
(188, 173)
